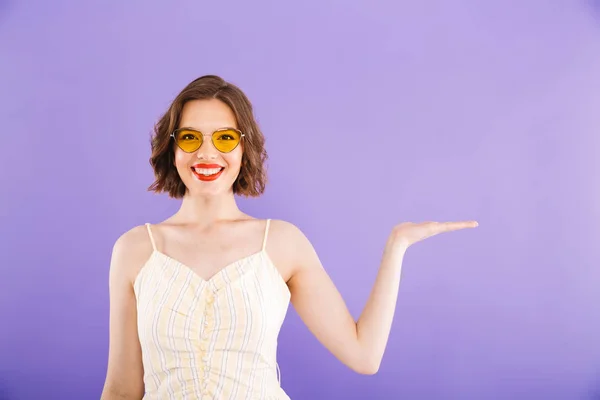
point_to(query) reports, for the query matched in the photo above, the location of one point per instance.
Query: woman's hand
(408, 233)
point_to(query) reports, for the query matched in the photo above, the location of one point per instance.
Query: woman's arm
(124, 376)
(359, 345)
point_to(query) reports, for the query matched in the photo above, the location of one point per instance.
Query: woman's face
(207, 171)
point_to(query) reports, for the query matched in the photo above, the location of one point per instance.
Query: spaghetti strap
(171, 297)
(264, 245)
(151, 237)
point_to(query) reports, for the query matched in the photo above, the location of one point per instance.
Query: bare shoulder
(290, 248)
(130, 252)
(287, 235)
(285, 229)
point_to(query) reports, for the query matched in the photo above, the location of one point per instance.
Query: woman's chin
(203, 189)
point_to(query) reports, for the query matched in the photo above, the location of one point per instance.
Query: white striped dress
(210, 339)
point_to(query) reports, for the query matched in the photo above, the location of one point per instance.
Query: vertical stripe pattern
(210, 339)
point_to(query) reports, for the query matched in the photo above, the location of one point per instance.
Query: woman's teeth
(207, 172)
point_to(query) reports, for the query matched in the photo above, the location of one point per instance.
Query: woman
(197, 301)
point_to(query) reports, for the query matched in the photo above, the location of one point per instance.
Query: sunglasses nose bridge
(207, 148)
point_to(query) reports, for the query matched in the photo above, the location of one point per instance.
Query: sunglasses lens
(188, 141)
(226, 140)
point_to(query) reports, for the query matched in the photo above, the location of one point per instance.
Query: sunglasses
(225, 139)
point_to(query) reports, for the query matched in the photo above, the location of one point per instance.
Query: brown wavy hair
(252, 178)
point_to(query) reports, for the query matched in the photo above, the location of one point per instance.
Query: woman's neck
(206, 210)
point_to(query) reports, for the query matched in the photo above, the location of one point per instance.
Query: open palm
(409, 233)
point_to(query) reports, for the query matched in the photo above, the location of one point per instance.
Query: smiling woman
(212, 108)
(197, 300)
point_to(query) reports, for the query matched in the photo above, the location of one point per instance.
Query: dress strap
(264, 245)
(151, 237)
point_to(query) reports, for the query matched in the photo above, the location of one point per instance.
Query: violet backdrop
(374, 113)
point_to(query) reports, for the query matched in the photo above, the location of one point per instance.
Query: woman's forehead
(207, 115)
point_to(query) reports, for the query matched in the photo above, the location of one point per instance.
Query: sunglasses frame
(176, 131)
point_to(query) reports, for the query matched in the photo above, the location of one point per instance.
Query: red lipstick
(208, 178)
(207, 166)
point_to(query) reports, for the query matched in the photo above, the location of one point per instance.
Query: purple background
(374, 113)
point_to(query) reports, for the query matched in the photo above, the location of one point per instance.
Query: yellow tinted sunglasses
(225, 139)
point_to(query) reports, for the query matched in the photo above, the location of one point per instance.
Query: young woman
(197, 300)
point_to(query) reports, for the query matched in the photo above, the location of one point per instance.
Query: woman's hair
(252, 178)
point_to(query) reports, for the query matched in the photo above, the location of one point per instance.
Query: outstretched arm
(359, 345)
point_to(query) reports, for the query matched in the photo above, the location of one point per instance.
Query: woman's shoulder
(287, 237)
(131, 250)
(134, 237)
(290, 248)
(285, 230)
